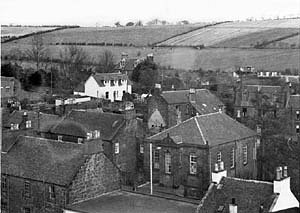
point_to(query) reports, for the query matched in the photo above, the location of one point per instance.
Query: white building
(110, 86)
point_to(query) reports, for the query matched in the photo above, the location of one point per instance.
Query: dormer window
(28, 124)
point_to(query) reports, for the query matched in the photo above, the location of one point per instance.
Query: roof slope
(43, 159)
(294, 101)
(100, 77)
(248, 194)
(211, 129)
(79, 122)
(206, 102)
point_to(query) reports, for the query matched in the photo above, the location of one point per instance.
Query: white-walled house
(110, 86)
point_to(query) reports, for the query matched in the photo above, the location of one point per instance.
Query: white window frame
(141, 148)
(193, 164)
(89, 135)
(232, 158)
(51, 191)
(117, 148)
(219, 157)
(156, 159)
(245, 154)
(168, 163)
(28, 124)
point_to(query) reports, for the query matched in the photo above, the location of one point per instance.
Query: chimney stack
(157, 89)
(232, 206)
(192, 95)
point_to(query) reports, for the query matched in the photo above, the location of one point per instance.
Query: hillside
(236, 34)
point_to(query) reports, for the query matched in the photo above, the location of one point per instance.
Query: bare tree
(74, 61)
(106, 62)
(38, 51)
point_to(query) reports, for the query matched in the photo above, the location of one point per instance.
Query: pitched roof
(294, 101)
(100, 77)
(205, 102)
(263, 88)
(43, 160)
(248, 194)
(212, 129)
(79, 122)
(44, 120)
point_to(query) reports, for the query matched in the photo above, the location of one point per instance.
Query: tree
(129, 24)
(117, 24)
(38, 51)
(35, 79)
(73, 66)
(106, 63)
(145, 75)
(139, 23)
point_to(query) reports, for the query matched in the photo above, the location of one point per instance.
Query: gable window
(59, 138)
(80, 140)
(117, 148)
(28, 124)
(298, 115)
(107, 95)
(219, 157)
(26, 210)
(168, 163)
(27, 189)
(156, 159)
(297, 129)
(51, 192)
(232, 158)
(245, 154)
(193, 164)
(141, 148)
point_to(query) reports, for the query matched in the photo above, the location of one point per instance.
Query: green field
(293, 42)
(138, 36)
(236, 34)
(19, 31)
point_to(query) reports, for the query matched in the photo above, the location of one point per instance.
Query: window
(141, 148)
(168, 163)
(112, 83)
(4, 183)
(89, 135)
(80, 140)
(51, 192)
(219, 157)
(117, 148)
(238, 113)
(193, 164)
(298, 115)
(244, 112)
(27, 189)
(59, 138)
(7, 89)
(96, 134)
(232, 158)
(156, 159)
(28, 124)
(297, 128)
(120, 82)
(245, 154)
(26, 210)
(14, 126)
(107, 95)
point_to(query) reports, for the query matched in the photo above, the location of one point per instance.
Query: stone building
(42, 175)
(168, 108)
(185, 154)
(293, 107)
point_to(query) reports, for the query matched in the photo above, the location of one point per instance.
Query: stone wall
(98, 175)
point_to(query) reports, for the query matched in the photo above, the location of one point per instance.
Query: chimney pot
(221, 166)
(285, 171)
(278, 176)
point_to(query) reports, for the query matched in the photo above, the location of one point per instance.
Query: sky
(107, 12)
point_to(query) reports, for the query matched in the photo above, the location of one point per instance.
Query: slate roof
(206, 102)
(43, 160)
(100, 77)
(79, 122)
(248, 194)
(212, 129)
(294, 102)
(46, 120)
(263, 88)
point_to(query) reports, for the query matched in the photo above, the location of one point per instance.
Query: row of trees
(150, 23)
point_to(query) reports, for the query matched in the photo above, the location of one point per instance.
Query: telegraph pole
(151, 182)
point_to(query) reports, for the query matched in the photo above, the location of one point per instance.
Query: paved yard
(128, 202)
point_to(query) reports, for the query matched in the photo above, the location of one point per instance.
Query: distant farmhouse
(168, 108)
(185, 154)
(111, 86)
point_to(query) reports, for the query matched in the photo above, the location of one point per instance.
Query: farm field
(252, 39)
(230, 32)
(190, 58)
(138, 36)
(293, 42)
(19, 31)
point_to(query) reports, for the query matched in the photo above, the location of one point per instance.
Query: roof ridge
(182, 90)
(199, 128)
(50, 140)
(212, 113)
(249, 180)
